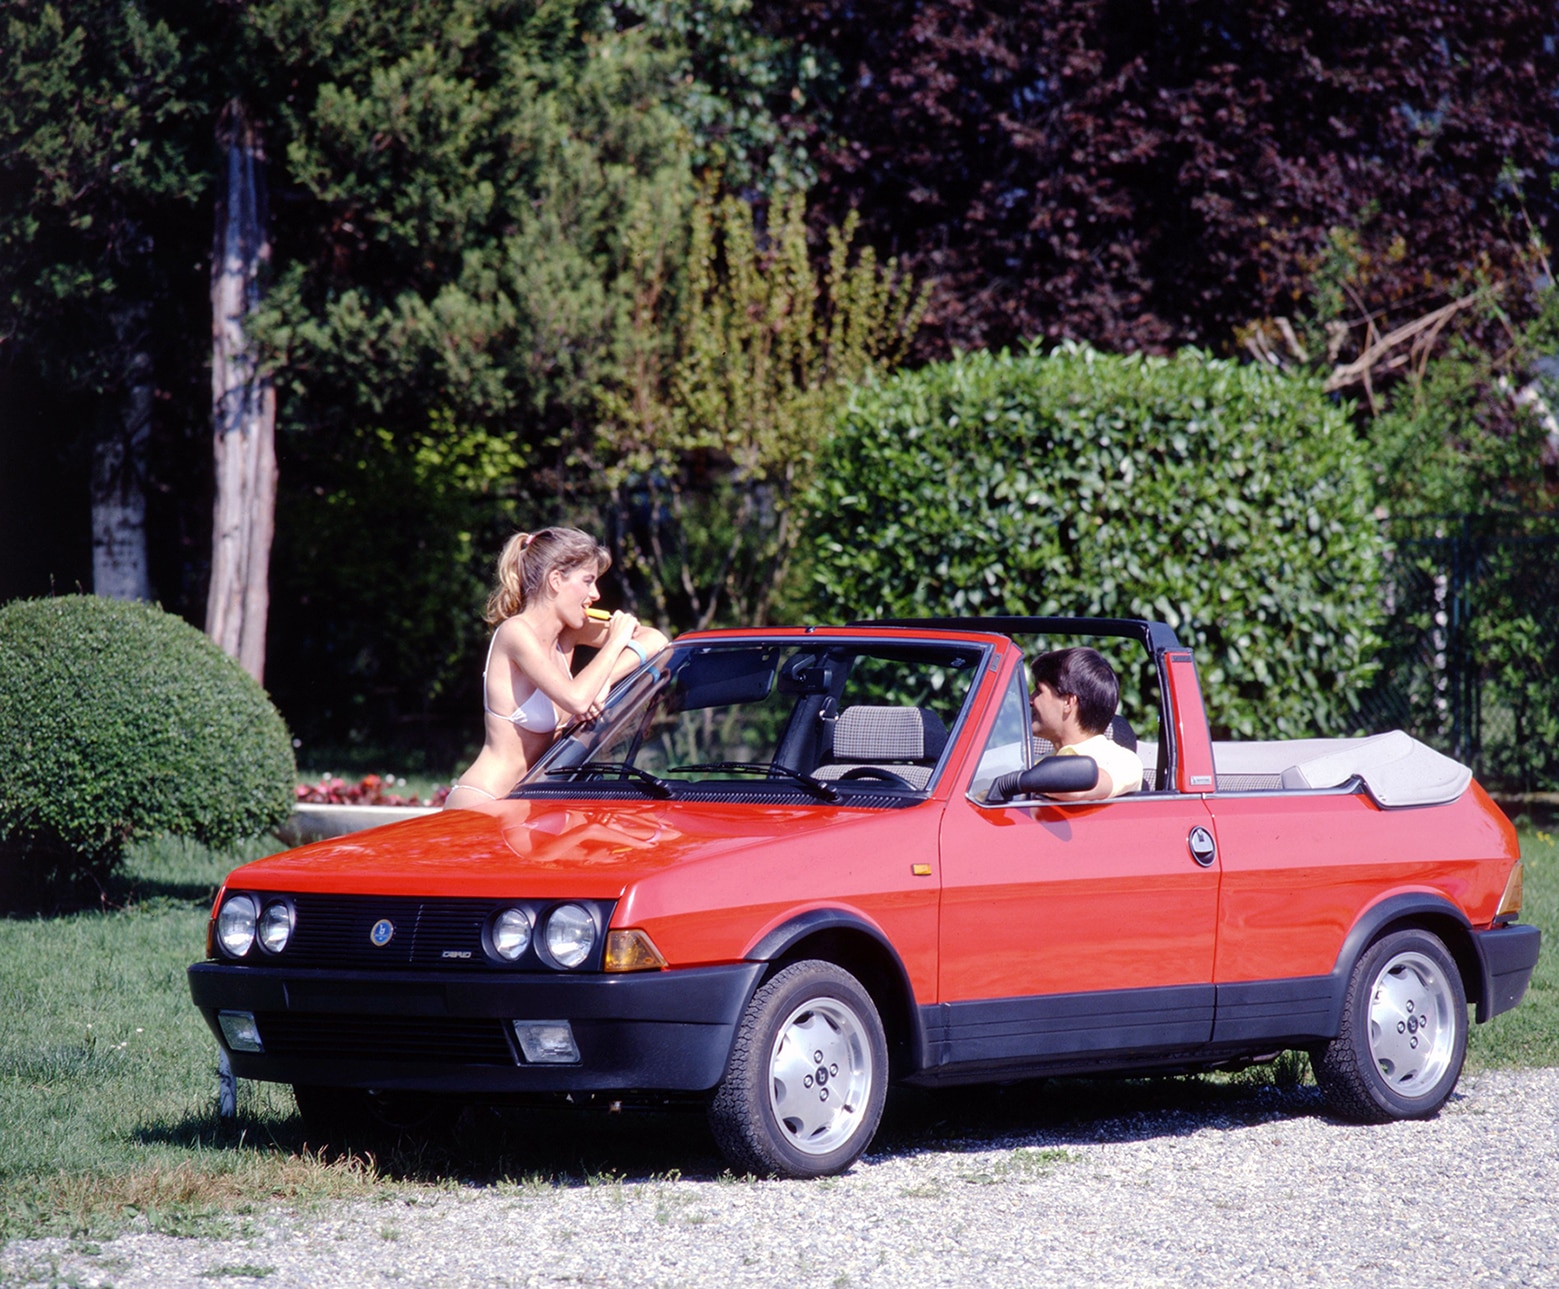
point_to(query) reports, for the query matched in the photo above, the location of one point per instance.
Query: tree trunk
(119, 569)
(243, 406)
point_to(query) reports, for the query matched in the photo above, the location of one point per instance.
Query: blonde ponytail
(528, 559)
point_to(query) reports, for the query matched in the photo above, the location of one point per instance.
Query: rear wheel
(804, 1090)
(1404, 1032)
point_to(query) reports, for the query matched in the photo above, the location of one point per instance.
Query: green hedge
(117, 721)
(1230, 501)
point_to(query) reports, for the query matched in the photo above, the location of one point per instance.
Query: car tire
(804, 1089)
(1403, 1039)
(340, 1118)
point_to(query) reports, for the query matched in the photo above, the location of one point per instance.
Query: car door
(1074, 928)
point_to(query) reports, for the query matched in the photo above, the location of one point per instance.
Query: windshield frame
(627, 702)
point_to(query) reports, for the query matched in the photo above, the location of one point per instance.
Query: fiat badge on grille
(381, 932)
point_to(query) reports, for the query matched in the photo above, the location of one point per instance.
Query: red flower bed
(370, 790)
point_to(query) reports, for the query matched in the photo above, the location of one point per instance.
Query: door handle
(1204, 850)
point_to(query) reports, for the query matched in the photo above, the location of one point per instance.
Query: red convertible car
(788, 867)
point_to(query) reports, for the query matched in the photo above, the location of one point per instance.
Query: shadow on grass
(44, 883)
(573, 1146)
(29, 898)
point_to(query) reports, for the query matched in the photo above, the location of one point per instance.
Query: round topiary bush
(1231, 501)
(118, 720)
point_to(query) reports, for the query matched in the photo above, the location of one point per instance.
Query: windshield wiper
(814, 787)
(655, 787)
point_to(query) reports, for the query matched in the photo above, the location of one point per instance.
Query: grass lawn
(108, 1073)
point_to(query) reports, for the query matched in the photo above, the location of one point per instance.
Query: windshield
(774, 719)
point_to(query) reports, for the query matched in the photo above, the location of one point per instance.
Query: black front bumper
(667, 1031)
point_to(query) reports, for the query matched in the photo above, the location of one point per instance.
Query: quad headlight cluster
(564, 936)
(561, 936)
(243, 922)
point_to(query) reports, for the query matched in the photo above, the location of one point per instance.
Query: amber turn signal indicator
(1510, 901)
(632, 950)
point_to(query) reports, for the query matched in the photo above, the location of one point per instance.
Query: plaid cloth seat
(907, 741)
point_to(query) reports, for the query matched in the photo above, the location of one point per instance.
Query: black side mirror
(1053, 774)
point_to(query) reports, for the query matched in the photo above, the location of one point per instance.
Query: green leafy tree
(391, 554)
(742, 92)
(461, 173)
(453, 286)
(730, 390)
(1465, 447)
(1230, 501)
(104, 134)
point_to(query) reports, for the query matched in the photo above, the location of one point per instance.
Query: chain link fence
(1471, 664)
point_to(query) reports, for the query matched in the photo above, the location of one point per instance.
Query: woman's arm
(576, 694)
(647, 642)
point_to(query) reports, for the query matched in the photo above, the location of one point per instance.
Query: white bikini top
(535, 715)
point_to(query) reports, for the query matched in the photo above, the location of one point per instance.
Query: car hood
(584, 848)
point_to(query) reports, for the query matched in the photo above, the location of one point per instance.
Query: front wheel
(803, 1092)
(1404, 1033)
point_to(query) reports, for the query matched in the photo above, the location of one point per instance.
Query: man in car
(1075, 695)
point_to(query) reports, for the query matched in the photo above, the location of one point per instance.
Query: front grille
(335, 931)
(327, 1035)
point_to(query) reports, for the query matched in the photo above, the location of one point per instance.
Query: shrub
(117, 721)
(1230, 501)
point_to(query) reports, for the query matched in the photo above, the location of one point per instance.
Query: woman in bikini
(540, 612)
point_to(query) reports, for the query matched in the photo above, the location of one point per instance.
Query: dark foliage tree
(1144, 174)
(104, 141)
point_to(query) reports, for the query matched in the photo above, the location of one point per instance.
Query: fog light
(240, 1031)
(547, 1042)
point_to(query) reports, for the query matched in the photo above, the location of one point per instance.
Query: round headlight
(275, 927)
(511, 934)
(570, 935)
(235, 925)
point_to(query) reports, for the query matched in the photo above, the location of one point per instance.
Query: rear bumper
(1508, 955)
(435, 1032)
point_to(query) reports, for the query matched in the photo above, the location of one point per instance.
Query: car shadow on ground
(1076, 1112)
(565, 1145)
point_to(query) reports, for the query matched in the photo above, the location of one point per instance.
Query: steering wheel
(880, 775)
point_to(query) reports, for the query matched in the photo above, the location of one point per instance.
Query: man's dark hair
(1084, 673)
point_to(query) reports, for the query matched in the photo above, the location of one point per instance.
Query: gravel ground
(1175, 1183)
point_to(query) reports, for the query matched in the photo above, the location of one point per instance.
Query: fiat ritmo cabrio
(788, 867)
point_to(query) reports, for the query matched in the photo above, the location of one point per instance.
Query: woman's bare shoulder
(515, 637)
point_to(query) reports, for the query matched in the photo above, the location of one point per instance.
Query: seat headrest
(1120, 731)
(867, 733)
